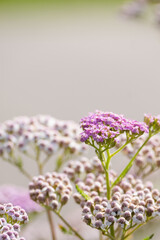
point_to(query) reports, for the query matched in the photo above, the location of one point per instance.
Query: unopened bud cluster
(14, 214)
(132, 202)
(76, 169)
(148, 158)
(9, 231)
(52, 190)
(11, 217)
(153, 122)
(92, 186)
(44, 132)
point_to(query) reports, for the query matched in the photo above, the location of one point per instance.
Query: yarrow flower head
(14, 214)
(11, 217)
(9, 231)
(52, 190)
(153, 123)
(105, 127)
(18, 196)
(46, 134)
(132, 203)
(78, 169)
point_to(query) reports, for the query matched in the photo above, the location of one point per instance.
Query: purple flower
(105, 127)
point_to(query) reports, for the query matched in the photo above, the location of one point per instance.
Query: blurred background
(67, 58)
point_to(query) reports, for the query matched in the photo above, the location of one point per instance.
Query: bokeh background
(67, 58)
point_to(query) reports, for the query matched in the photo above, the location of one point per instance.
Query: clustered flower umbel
(14, 214)
(11, 217)
(9, 231)
(92, 186)
(89, 176)
(148, 159)
(18, 196)
(132, 203)
(78, 169)
(105, 127)
(44, 132)
(52, 190)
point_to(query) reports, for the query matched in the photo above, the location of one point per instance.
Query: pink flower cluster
(105, 127)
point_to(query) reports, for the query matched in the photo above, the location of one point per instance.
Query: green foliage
(64, 230)
(83, 194)
(148, 238)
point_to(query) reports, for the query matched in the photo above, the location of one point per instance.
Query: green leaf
(83, 194)
(19, 162)
(64, 230)
(148, 238)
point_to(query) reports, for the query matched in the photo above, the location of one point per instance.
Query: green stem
(105, 164)
(100, 235)
(69, 226)
(123, 234)
(148, 219)
(133, 231)
(112, 231)
(107, 174)
(127, 168)
(50, 220)
(45, 161)
(149, 172)
(119, 149)
(48, 212)
(21, 169)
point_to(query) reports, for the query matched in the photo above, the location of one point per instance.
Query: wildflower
(16, 213)
(52, 190)
(105, 127)
(44, 133)
(127, 206)
(83, 166)
(153, 122)
(11, 217)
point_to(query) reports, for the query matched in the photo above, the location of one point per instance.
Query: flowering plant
(115, 204)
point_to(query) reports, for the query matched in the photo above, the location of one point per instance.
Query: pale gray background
(67, 62)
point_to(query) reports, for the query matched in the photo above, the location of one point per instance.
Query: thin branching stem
(48, 212)
(129, 165)
(21, 169)
(69, 226)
